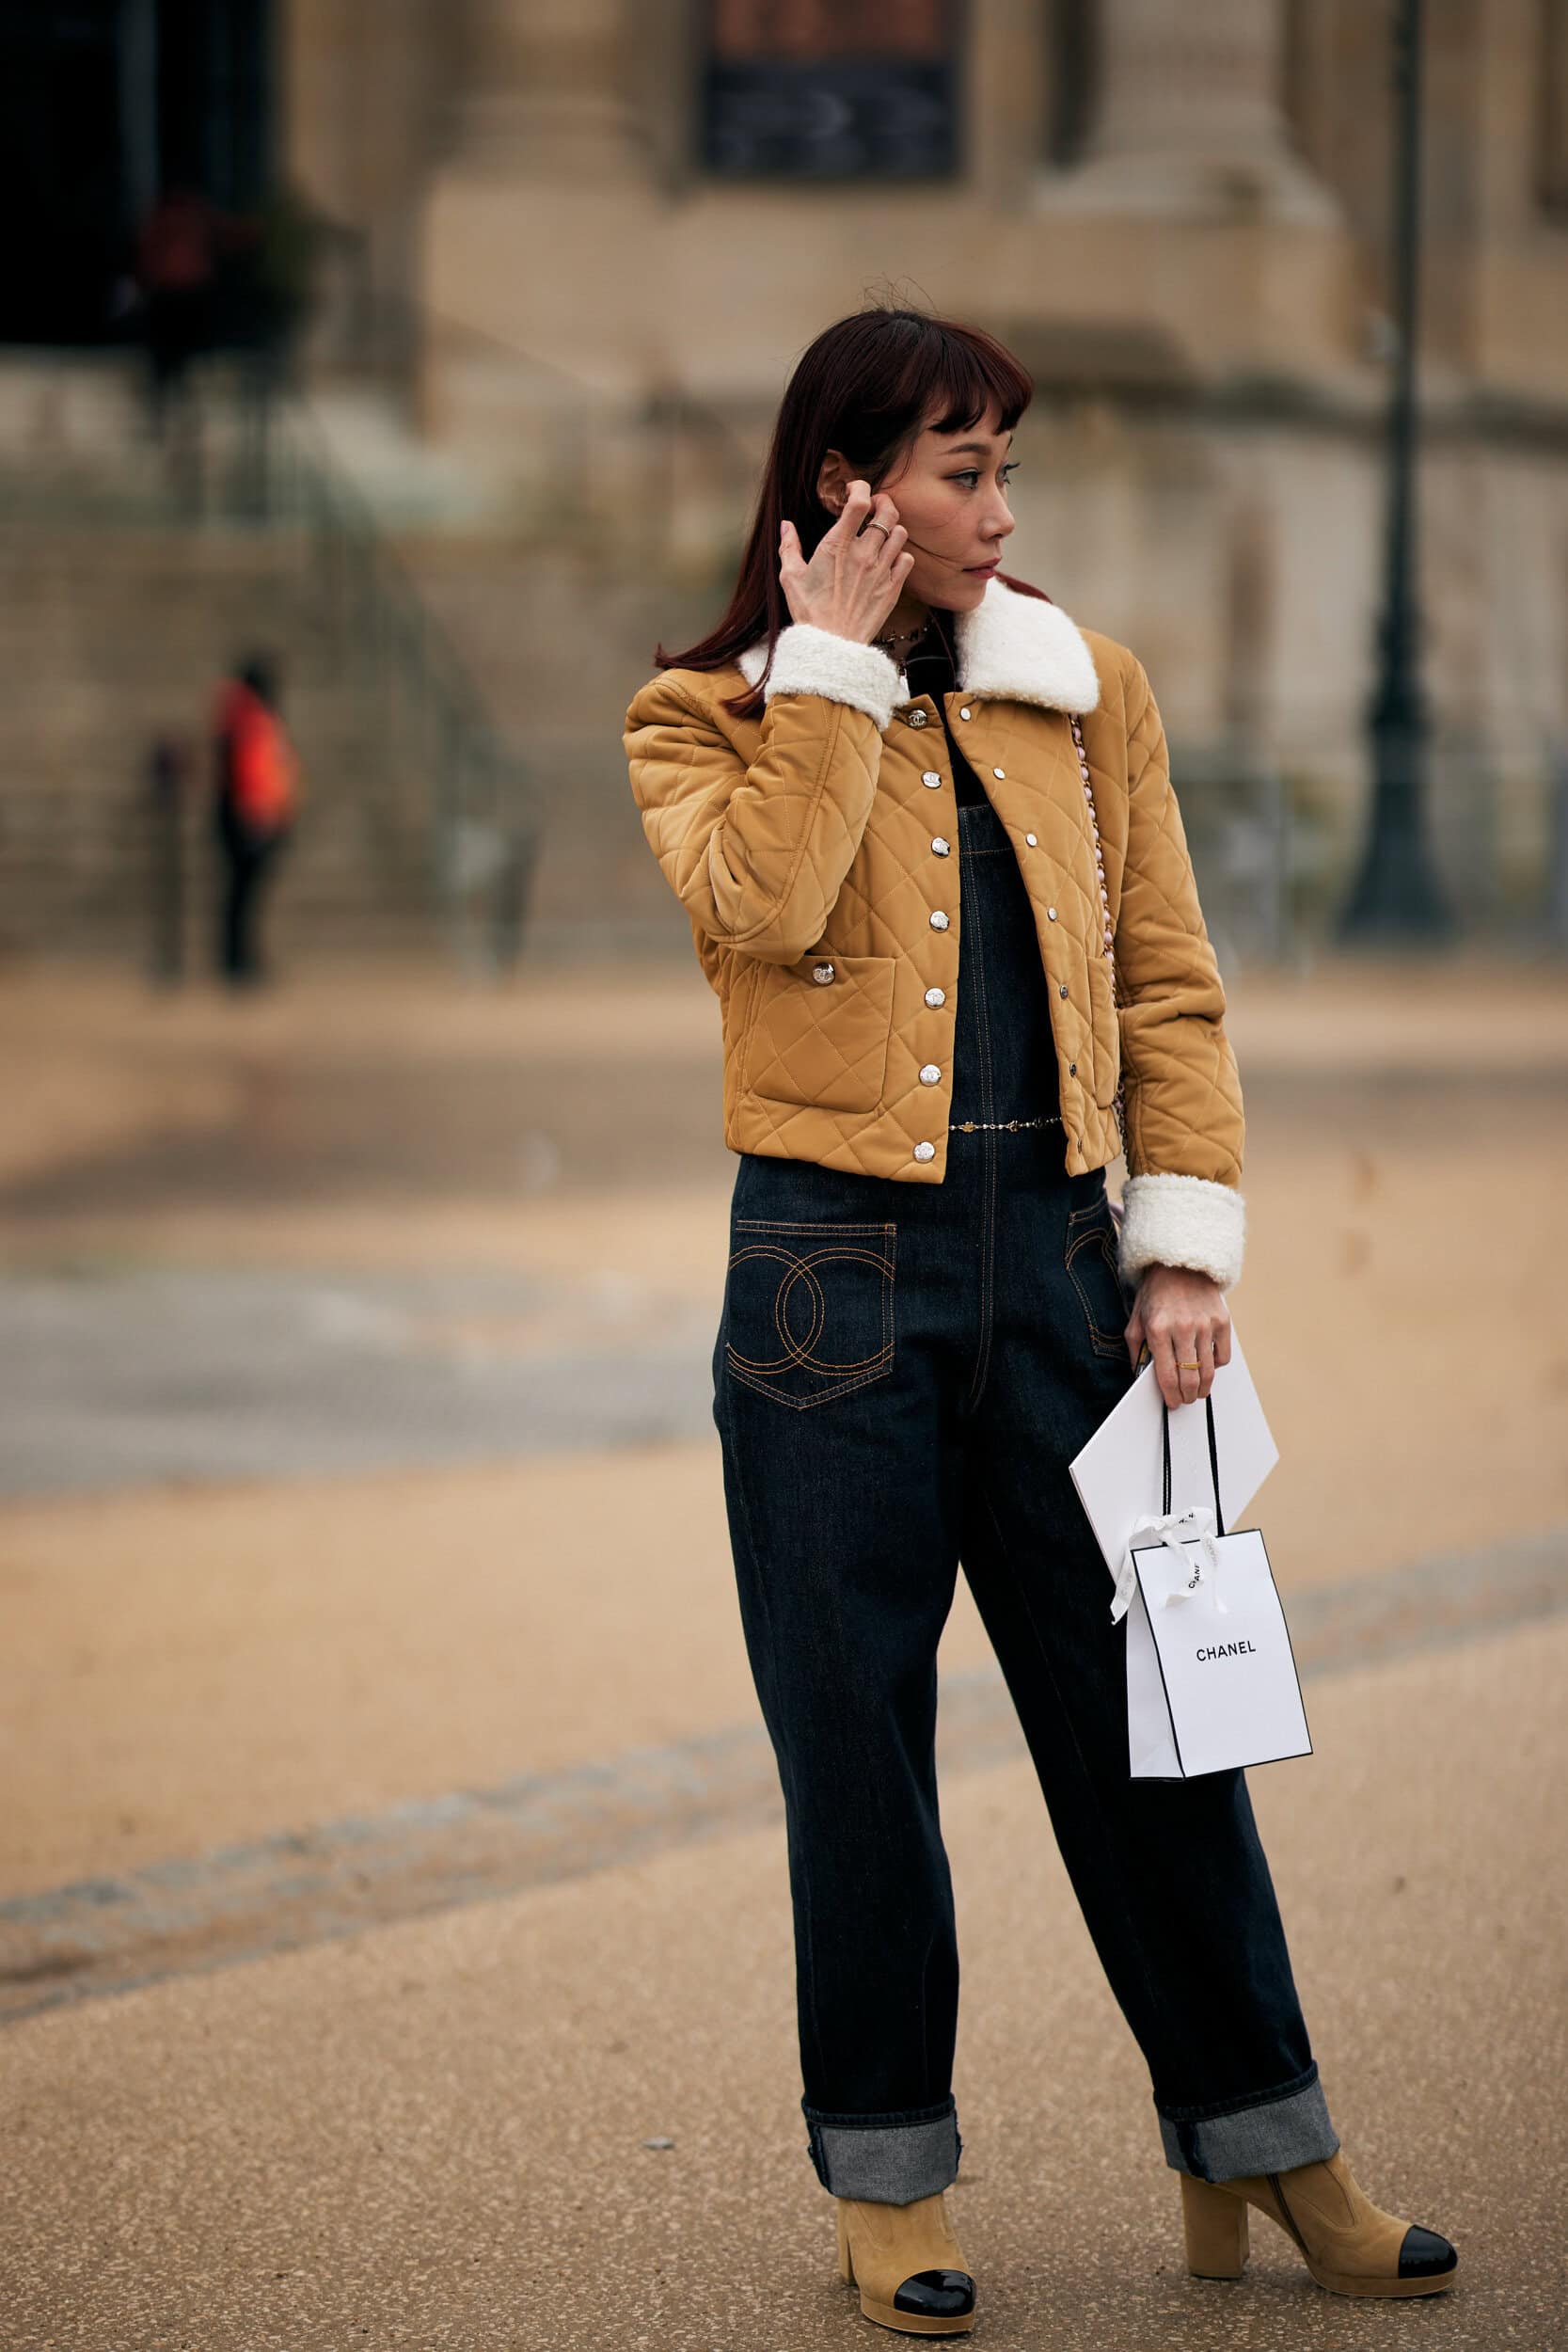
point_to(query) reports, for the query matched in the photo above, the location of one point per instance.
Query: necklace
(904, 637)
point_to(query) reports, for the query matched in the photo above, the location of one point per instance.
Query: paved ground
(178, 1373)
(114, 1930)
(436, 2133)
(374, 1706)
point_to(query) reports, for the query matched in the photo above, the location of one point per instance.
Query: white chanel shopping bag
(1212, 1679)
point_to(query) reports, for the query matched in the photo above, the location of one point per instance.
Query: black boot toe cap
(937, 2294)
(1424, 2254)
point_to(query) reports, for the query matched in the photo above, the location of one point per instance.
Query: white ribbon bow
(1169, 1529)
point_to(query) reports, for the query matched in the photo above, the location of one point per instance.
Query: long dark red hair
(869, 386)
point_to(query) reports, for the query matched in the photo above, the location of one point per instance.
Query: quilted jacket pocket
(822, 1041)
(808, 1308)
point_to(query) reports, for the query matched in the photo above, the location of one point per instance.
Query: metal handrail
(265, 462)
(484, 822)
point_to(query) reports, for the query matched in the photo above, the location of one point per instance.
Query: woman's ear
(833, 481)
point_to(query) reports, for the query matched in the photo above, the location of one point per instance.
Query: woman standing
(924, 829)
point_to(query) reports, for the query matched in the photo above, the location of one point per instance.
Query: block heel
(1216, 2229)
(1349, 2245)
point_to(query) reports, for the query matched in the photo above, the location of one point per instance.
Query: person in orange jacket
(256, 800)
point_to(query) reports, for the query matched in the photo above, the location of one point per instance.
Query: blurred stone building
(597, 235)
(578, 245)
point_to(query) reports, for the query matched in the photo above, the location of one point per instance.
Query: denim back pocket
(809, 1307)
(1090, 1255)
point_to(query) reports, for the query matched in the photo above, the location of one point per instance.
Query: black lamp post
(1397, 898)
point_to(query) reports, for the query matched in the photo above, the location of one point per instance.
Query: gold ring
(1189, 1367)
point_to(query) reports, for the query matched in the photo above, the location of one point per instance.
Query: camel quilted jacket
(807, 848)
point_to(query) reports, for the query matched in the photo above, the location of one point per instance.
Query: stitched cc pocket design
(823, 1040)
(808, 1308)
(1090, 1252)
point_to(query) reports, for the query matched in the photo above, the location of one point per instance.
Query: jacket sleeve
(757, 855)
(1181, 1203)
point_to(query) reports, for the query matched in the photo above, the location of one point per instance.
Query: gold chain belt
(968, 1126)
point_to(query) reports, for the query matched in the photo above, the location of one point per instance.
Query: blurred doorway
(105, 105)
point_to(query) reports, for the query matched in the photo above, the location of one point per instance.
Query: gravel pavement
(394, 1934)
(438, 2132)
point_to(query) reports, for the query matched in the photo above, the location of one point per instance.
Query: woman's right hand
(856, 574)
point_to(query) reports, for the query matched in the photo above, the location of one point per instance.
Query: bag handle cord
(1214, 1458)
(1168, 1529)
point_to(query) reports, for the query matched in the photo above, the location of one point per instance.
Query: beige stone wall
(1200, 290)
(521, 170)
(521, 174)
(367, 88)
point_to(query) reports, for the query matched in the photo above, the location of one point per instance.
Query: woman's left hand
(1182, 1319)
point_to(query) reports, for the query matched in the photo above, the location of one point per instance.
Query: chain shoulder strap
(1108, 945)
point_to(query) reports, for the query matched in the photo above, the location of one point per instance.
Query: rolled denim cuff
(1270, 2135)
(889, 2159)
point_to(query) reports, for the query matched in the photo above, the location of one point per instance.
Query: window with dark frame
(830, 89)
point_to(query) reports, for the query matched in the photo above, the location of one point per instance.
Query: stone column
(541, 91)
(1189, 121)
(537, 257)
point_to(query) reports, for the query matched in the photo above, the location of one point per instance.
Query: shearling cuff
(1181, 1220)
(812, 661)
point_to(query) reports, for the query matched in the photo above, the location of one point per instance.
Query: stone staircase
(109, 639)
(119, 613)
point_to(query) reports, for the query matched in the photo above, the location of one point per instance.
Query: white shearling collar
(1016, 647)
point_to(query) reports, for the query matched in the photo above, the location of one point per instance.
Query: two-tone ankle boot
(908, 2266)
(1350, 2245)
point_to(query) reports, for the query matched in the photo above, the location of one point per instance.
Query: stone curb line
(241, 1902)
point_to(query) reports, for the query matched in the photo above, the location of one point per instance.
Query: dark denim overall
(901, 1374)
